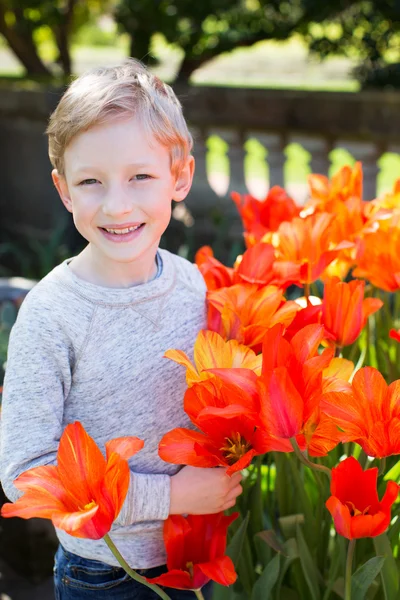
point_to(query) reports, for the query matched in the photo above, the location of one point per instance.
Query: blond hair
(113, 92)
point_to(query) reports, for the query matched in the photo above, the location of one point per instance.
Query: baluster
(236, 154)
(274, 144)
(256, 173)
(201, 197)
(368, 154)
(319, 149)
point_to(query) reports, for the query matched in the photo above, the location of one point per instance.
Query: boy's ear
(184, 181)
(62, 189)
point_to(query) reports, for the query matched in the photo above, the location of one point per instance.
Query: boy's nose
(117, 203)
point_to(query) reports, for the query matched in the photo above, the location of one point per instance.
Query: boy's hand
(199, 491)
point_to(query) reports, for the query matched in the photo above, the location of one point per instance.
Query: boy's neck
(94, 269)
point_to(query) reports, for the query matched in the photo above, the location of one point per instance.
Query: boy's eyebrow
(139, 165)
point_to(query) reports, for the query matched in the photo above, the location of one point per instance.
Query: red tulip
(262, 216)
(195, 548)
(291, 385)
(215, 274)
(354, 504)
(230, 437)
(395, 334)
(84, 493)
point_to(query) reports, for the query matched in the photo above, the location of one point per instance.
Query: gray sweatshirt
(82, 352)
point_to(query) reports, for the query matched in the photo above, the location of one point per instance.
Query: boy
(89, 340)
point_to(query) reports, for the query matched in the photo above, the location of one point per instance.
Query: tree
(204, 29)
(367, 30)
(21, 19)
(363, 29)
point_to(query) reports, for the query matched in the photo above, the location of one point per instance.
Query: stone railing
(366, 124)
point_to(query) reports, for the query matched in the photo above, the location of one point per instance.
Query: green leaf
(289, 523)
(290, 553)
(233, 550)
(308, 565)
(269, 537)
(268, 578)
(389, 571)
(364, 576)
(235, 546)
(393, 473)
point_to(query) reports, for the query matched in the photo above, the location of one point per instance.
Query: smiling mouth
(122, 231)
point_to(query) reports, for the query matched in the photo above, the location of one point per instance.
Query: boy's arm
(37, 379)
(148, 499)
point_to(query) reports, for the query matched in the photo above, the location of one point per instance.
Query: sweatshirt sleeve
(37, 380)
(148, 499)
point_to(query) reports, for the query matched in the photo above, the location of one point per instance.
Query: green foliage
(368, 30)
(24, 23)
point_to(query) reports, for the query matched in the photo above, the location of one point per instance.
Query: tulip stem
(199, 594)
(349, 564)
(302, 458)
(130, 571)
(307, 293)
(382, 466)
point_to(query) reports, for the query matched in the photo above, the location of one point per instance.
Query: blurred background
(272, 91)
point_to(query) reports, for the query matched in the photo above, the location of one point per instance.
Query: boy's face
(118, 177)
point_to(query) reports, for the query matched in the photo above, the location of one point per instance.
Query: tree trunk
(139, 47)
(23, 48)
(61, 34)
(188, 66)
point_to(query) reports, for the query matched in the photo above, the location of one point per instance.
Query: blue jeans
(78, 578)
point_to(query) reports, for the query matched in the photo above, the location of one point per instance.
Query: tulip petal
(126, 447)
(179, 447)
(81, 465)
(181, 358)
(281, 405)
(33, 504)
(80, 523)
(175, 578)
(220, 570)
(341, 517)
(176, 530)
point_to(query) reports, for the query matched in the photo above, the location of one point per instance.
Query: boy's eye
(88, 181)
(142, 176)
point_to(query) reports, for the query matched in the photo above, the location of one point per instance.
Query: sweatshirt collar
(102, 295)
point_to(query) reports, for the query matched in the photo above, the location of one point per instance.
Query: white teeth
(122, 231)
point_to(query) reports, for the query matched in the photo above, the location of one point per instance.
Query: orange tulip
(195, 548)
(211, 351)
(245, 312)
(261, 217)
(345, 311)
(378, 259)
(84, 493)
(257, 265)
(354, 504)
(383, 207)
(306, 244)
(345, 184)
(368, 412)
